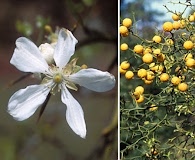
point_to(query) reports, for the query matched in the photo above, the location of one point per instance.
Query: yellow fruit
(125, 65)
(175, 17)
(156, 39)
(190, 62)
(147, 58)
(124, 31)
(147, 81)
(138, 49)
(175, 80)
(164, 77)
(141, 99)
(188, 56)
(124, 47)
(182, 24)
(127, 22)
(147, 50)
(157, 52)
(122, 71)
(176, 25)
(183, 87)
(157, 68)
(161, 58)
(169, 42)
(188, 45)
(129, 75)
(139, 89)
(150, 76)
(141, 73)
(191, 18)
(167, 26)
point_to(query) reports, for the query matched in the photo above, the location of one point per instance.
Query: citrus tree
(157, 95)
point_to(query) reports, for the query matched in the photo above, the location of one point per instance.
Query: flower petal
(24, 102)
(27, 57)
(74, 113)
(65, 47)
(94, 79)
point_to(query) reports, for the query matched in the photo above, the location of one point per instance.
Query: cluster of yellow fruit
(158, 55)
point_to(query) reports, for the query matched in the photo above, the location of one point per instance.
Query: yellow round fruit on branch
(147, 81)
(139, 89)
(190, 62)
(150, 76)
(188, 45)
(157, 52)
(183, 87)
(167, 26)
(124, 47)
(141, 73)
(175, 80)
(191, 18)
(188, 56)
(138, 49)
(175, 17)
(129, 75)
(164, 77)
(125, 65)
(124, 31)
(127, 22)
(147, 50)
(176, 25)
(147, 58)
(169, 42)
(161, 58)
(141, 99)
(122, 71)
(157, 39)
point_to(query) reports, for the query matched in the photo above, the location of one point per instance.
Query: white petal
(93, 79)
(65, 47)
(27, 57)
(74, 113)
(24, 102)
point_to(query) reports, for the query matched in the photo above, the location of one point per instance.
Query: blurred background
(94, 24)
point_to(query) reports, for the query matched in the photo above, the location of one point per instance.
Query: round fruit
(188, 45)
(127, 22)
(124, 47)
(124, 31)
(169, 41)
(138, 49)
(122, 71)
(129, 75)
(164, 77)
(147, 50)
(125, 65)
(139, 89)
(161, 58)
(191, 18)
(176, 25)
(141, 73)
(157, 52)
(156, 39)
(147, 58)
(141, 99)
(183, 87)
(188, 56)
(190, 62)
(167, 26)
(147, 81)
(150, 76)
(175, 17)
(175, 80)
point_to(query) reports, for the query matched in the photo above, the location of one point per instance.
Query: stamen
(58, 78)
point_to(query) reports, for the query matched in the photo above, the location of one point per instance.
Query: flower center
(58, 78)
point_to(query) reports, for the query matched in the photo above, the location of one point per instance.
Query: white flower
(28, 58)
